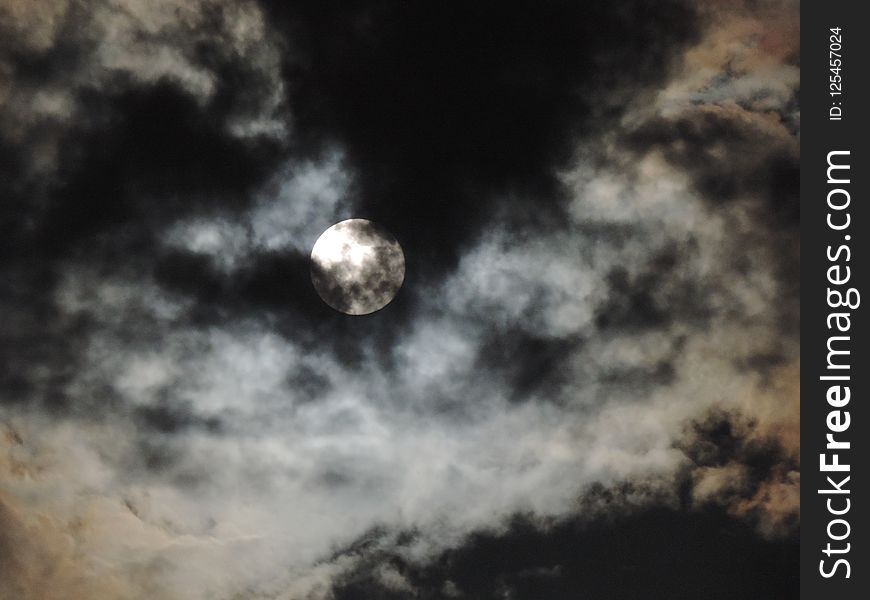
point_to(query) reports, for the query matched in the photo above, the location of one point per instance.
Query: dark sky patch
(659, 294)
(152, 155)
(444, 108)
(657, 553)
(723, 437)
(169, 414)
(529, 365)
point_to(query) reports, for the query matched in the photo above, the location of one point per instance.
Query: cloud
(57, 49)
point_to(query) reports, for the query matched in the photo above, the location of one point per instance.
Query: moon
(357, 266)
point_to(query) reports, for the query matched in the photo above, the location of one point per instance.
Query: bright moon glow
(357, 267)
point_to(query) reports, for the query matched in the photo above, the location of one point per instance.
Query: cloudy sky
(587, 386)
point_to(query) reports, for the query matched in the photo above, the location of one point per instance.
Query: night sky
(585, 389)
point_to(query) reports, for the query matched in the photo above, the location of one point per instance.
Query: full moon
(357, 267)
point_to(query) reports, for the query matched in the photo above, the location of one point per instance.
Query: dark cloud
(276, 286)
(151, 155)
(659, 553)
(730, 155)
(656, 295)
(169, 415)
(529, 366)
(35, 336)
(444, 107)
(738, 460)
(272, 281)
